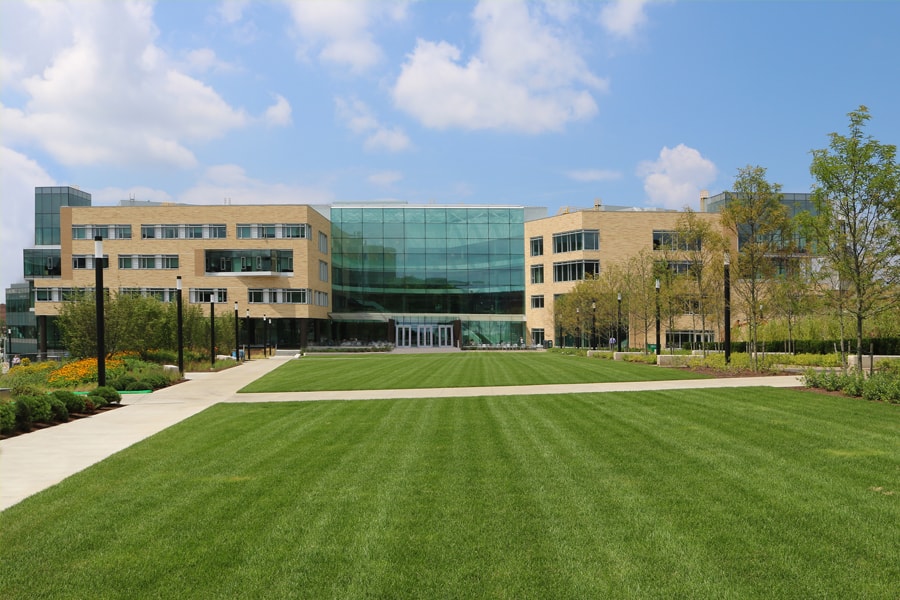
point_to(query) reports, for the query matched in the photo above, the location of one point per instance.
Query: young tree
(703, 247)
(760, 222)
(857, 200)
(639, 283)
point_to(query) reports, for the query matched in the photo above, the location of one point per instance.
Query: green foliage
(883, 387)
(7, 416)
(74, 402)
(137, 386)
(34, 374)
(33, 409)
(122, 382)
(58, 408)
(107, 393)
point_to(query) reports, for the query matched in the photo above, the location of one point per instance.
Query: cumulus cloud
(280, 112)
(19, 175)
(100, 91)
(358, 118)
(587, 175)
(623, 17)
(526, 76)
(232, 182)
(338, 31)
(675, 179)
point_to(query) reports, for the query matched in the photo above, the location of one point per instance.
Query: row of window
(197, 295)
(572, 270)
(201, 231)
(128, 261)
(569, 241)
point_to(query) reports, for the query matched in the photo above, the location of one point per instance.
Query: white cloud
(359, 119)
(280, 112)
(623, 17)
(231, 182)
(19, 175)
(588, 175)
(526, 76)
(103, 92)
(385, 178)
(675, 179)
(232, 11)
(338, 32)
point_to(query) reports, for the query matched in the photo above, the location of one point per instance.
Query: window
(102, 231)
(537, 301)
(266, 231)
(125, 261)
(537, 273)
(670, 240)
(170, 261)
(537, 246)
(296, 296)
(79, 232)
(195, 232)
(203, 295)
(217, 232)
(123, 232)
(170, 232)
(79, 262)
(148, 232)
(323, 243)
(321, 299)
(537, 336)
(255, 296)
(323, 270)
(575, 270)
(572, 241)
(146, 261)
(295, 230)
(244, 232)
(86, 261)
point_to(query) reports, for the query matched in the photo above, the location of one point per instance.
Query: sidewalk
(35, 461)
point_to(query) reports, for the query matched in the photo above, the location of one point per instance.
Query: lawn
(452, 369)
(744, 493)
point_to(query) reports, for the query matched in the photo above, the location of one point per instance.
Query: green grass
(459, 369)
(746, 493)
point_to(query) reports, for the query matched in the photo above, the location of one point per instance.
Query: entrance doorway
(424, 336)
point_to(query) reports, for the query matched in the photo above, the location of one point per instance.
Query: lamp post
(237, 345)
(247, 334)
(180, 321)
(271, 346)
(265, 336)
(9, 346)
(619, 322)
(727, 309)
(658, 344)
(212, 329)
(98, 300)
(593, 326)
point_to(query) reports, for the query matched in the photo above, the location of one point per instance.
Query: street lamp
(265, 336)
(247, 335)
(9, 346)
(237, 348)
(212, 329)
(727, 309)
(180, 321)
(658, 344)
(593, 327)
(619, 322)
(98, 300)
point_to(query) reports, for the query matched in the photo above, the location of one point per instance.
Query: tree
(703, 247)
(641, 294)
(760, 222)
(857, 201)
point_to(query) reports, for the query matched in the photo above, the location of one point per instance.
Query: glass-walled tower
(28, 336)
(428, 275)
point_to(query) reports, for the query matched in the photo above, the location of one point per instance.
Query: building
(411, 275)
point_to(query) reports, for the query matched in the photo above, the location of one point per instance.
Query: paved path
(33, 462)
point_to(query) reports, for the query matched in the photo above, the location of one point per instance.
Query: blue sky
(547, 104)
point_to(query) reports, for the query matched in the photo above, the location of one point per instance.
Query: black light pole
(727, 309)
(180, 320)
(212, 330)
(265, 336)
(247, 338)
(619, 322)
(658, 344)
(593, 327)
(271, 346)
(237, 346)
(98, 300)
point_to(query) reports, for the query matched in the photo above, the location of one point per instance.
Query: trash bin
(652, 347)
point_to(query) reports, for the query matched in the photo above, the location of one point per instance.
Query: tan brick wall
(191, 253)
(623, 234)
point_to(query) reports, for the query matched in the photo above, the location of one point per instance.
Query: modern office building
(411, 275)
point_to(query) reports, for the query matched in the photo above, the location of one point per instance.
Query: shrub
(33, 409)
(138, 386)
(882, 387)
(7, 417)
(107, 394)
(23, 416)
(58, 408)
(74, 402)
(122, 382)
(26, 362)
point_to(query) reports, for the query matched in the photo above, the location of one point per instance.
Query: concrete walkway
(38, 460)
